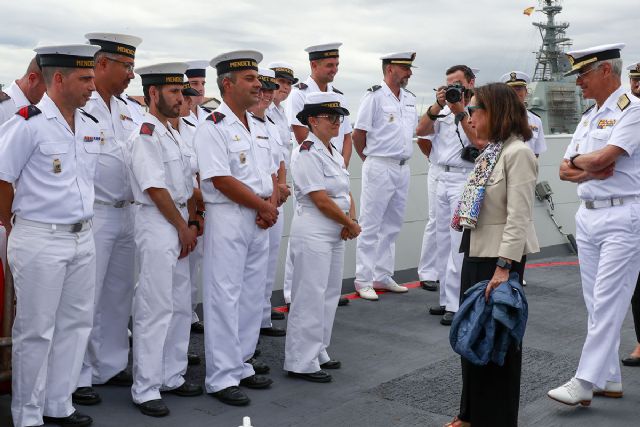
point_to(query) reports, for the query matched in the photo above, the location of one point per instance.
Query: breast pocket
(264, 155)
(238, 155)
(391, 115)
(599, 138)
(53, 156)
(496, 177)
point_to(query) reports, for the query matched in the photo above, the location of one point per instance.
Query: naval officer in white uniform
(383, 138)
(165, 233)
(238, 181)
(27, 90)
(49, 153)
(197, 77)
(603, 158)
(324, 217)
(107, 354)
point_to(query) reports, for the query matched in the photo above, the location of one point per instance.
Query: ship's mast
(554, 43)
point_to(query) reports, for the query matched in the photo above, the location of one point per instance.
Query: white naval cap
(323, 51)
(121, 44)
(321, 103)
(268, 78)
(515, 78)
(579, 58)
(283, 70)
(236, 60)
(399, 58)
(166, 73)
(197, 68)
(68, 56)
(634, 70)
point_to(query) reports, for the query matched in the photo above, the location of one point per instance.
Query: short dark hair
(468, 72)
(507, 115)
(48, 73)
(145, 92)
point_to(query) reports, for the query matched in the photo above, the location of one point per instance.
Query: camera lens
(453, 94)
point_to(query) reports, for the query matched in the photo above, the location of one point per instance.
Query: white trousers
(108, 348)
(233, 292)
(161, 307)
(195, 276)
(427, 266)
(385, 187)
(450, 186)
(275, 237)
(609, 253)
(54, 276)
(317, 253)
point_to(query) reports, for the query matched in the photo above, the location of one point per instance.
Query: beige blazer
(505, 224)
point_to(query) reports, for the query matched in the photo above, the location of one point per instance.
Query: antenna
(550, 59)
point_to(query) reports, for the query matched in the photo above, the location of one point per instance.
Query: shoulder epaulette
(269, 118)
(535, 114)
(301, 86)
(207, 109)
(4, 97)
(306, 145)
(261, 120)
(188, 122)
(588, 109)
(88, 115)
(216, 117)
(28, 112)
(121, 99)
(337, 91)
(147, 128)
(407, 90)
(374, 88)
(135, 101)
(623, 102)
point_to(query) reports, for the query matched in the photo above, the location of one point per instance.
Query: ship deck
(399, 370)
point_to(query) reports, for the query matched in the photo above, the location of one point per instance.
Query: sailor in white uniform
(519, 81)
(27, 90)
(383, 138)
(197, 77)
(603, 158)
(238, 181)
(324, 217)
(49, 153)
(165, 234)
(107, 354)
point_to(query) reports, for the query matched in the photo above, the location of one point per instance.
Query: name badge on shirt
(57, 166)
(243, 157)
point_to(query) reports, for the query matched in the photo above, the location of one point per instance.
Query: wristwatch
(194, 223)
(503, 263)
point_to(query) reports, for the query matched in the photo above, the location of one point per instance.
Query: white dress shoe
(368, 293)
(611, 389)
(390, 286)
(572, 393)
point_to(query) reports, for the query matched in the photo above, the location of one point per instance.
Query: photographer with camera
(457, 146)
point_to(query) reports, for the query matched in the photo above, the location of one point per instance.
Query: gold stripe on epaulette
(623, 102)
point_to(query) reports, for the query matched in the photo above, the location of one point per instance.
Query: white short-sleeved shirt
(279, 117)
(116, 126)
(159, 159)
(16, 100)
(187, 130)
(388, 121)
(445, 140)
(51, 167)
(296, 104)
(225, 147)
(279, 148)
(314, 168)
(136, 110)
(537, 143)
(610, 125)
(201, 113)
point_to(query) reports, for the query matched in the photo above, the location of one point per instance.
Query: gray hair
(616, 65)
(230, 75)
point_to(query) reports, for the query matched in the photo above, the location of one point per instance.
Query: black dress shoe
(232, 396)
(74, 420)
(315, 377)
(193, 359)
(343, 301)
(276, 315)
(429, 285)
(331, 364)
(256, 382)
(437, 310)
(631, 361)
(121, 379)
(447, 318)
(259, 367)
(273, 331)
(197, 327)
(85, 396)
(186, 390)
(153, 408)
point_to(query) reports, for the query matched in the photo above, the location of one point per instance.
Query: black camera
(470, 153)
(454, 93)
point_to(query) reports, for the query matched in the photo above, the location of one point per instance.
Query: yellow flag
(528, 11)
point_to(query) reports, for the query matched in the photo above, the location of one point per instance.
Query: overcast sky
(491, 35)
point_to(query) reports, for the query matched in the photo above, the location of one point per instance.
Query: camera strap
(458, 133)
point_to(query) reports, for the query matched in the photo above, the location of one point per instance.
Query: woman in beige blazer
(496, 218)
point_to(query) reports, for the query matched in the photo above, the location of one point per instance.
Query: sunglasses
(333, 118)
(472, 108)
(584, 73)
(129, 66)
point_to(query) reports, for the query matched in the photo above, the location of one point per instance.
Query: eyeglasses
(584, 73)
(129, 66)
(472, 108)
(333, 118)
